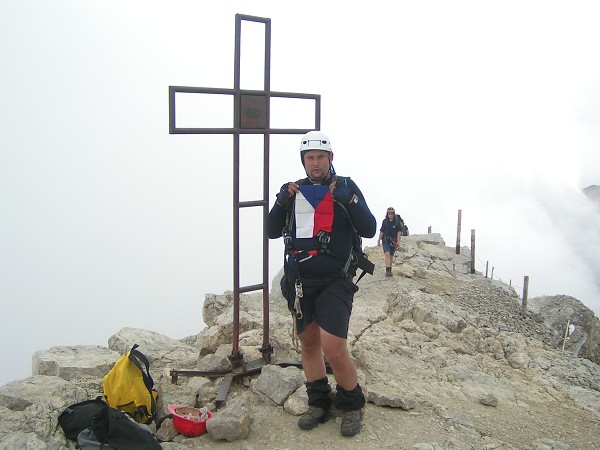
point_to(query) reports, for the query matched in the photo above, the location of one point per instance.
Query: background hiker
(389, 237)
(317, 217)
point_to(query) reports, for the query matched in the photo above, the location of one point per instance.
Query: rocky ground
(447, 359)
(546, 419)
(428, 428)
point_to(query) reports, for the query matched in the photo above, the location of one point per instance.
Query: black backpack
(79, 416)
(121, 432)
(87, 441)
(95, 421)
(402, 226)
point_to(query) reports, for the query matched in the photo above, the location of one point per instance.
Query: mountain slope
(447, 359)
(462, 365)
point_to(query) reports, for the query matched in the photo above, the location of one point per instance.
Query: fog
(107, 221)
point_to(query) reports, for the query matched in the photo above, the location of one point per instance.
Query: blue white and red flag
(313, 210)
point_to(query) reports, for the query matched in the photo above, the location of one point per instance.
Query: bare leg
(312, 354)
(336, 352)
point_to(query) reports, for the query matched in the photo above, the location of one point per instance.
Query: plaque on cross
(251, 115)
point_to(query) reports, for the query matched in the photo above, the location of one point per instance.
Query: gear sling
(291, 285)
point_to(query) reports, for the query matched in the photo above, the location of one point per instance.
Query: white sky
(108, 221)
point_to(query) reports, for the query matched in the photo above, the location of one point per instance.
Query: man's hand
(287, 191)
(342, 194)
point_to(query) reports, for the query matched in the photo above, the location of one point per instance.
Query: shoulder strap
(138, 358)
(361, 259)
(289, 222)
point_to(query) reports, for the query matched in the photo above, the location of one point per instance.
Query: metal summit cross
(251, 115)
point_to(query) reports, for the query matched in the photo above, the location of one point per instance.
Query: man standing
(389, 233)
(318, 217)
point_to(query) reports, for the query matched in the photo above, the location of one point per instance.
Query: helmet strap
(329, 173)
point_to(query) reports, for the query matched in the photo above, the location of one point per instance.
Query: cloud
(109, 220)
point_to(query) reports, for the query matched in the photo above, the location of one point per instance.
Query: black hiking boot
(313, 417)
(320, 399)
(388, 271)
(351, 422)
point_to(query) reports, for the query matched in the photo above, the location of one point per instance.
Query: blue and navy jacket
(340, 244)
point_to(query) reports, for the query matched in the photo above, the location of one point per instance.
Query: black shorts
(328, 303)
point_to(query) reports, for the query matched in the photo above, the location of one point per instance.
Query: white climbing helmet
(315, 140)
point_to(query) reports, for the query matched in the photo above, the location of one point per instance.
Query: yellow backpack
(129, 387)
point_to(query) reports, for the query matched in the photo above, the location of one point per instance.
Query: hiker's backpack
(95, 425)
(86, 440)
(79, 416)
(113, 429)
(402, 226)
(129, 387)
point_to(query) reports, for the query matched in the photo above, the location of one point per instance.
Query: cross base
(245, 370)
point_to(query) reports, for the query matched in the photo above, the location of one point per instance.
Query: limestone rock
(446, 359)
(72, 362)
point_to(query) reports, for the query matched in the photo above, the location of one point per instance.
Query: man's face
(316, 164)
(390, 215)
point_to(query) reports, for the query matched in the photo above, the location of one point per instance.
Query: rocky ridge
(447, 359)
(593, 192)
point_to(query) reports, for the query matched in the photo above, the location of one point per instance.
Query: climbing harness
(299, 295)
(293, 258)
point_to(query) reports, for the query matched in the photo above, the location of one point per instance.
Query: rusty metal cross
(251, 115)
